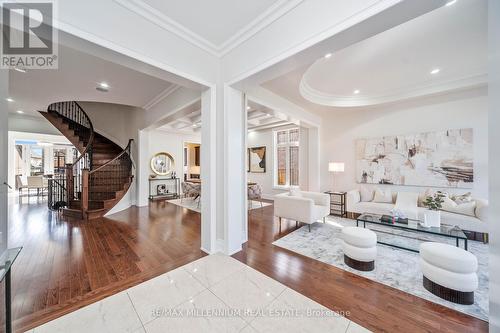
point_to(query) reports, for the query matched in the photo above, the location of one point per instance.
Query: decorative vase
(432, 218)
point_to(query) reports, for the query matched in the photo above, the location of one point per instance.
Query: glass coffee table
(414, 226)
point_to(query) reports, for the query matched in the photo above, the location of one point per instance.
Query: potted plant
(432, 217)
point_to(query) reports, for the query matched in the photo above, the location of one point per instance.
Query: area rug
(394, 267)
(193, 205)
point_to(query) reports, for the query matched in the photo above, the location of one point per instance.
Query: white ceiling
(214, 25)
(395, 65)
(77, 78)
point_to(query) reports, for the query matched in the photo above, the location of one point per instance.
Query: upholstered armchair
(254, 192)
(302, 206)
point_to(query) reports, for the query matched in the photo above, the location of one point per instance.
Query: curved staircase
(101, 174)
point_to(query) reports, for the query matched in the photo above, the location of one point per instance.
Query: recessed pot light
(435, 71)
(20, 111)
(102, 87)
(8, 99)
(356, 92)
(328, 55)
(449, 3)
(248, 107)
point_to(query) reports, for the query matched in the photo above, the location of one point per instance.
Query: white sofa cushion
(406, 202)
(366, 194)
(359, 237)
(467, 282)
(373, 208)
(359, 253)
(448, 257)
(382, 196)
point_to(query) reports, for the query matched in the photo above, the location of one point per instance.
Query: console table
(172, 187)
(338, 203)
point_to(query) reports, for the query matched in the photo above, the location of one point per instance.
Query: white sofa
(477, 223)
(305, 207)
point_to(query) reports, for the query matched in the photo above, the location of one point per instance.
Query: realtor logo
(28, 36)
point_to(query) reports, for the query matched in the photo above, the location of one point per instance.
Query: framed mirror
(162, 164)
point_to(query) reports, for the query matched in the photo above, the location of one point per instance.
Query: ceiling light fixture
(20, 111)
(21, 70)
(449, 3)
(328, 55)
(435, 71)
(10, 100)
(103, 87)
(356, 92)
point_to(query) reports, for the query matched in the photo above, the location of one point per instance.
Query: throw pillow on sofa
(461, 199)
(423, 196)
(294, 191)
(406, 203)
(366, 194)
(382, 196)
(468, 208)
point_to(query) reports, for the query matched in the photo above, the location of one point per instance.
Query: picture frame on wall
(257, 159)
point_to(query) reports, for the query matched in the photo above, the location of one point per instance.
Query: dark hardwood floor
(375, 306)
(66, 265)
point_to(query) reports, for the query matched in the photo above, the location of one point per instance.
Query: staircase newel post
(85, 192)
(69, 183)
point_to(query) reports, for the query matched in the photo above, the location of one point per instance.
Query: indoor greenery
(435, 202)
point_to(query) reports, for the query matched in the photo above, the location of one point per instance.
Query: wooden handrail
(125, 150)
(91, 128)
(91, 138)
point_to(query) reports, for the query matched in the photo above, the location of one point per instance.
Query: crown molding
(161, 96)
(273, 13)
(319, 97)
(278, 9)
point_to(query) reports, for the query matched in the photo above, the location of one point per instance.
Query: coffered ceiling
(214, 25)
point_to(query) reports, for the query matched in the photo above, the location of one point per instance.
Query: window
(286, 152)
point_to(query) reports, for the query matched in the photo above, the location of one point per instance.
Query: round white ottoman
(449, 272)
(360, 248)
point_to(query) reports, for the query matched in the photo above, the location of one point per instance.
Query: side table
(338, 203)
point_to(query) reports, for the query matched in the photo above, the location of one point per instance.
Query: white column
(4, 137)
(143, 169)
(234, 170)
(48, 160)
(494, 162)
(314, 159)
(209, 165)
(12, 160)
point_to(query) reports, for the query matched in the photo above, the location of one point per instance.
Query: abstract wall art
(438, 159)
(257, 159)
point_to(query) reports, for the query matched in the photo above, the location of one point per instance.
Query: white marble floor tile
(248, 289)
(293, 312)
(112, 314)
(211, 269)
(201, 304)
(164, 292)
(355, 328)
